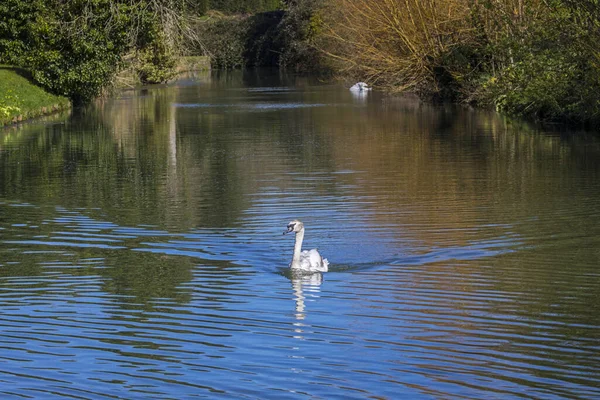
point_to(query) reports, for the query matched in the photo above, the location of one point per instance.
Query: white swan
(307, 260)
(360, 87)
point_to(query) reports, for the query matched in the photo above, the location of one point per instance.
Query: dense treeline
(530, 57)
(538, 58)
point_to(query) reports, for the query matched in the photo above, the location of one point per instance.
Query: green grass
(21, 99)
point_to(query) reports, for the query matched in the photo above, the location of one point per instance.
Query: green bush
(74, 48)
(224, 39)
(156, 61)
(299, 31)
(242, 41)
(547, 86)
(71, 48)
(551, 70)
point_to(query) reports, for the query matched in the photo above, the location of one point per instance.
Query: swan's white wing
(311, 261)
(315, 257)
(355, 87)
(359, 87)
(316, 261)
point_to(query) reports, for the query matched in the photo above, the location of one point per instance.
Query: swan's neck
(298, 246)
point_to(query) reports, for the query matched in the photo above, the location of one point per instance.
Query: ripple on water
(464, 263)
(433, 323)
(246, 107)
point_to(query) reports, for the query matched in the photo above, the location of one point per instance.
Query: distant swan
(360, 87)
(307, 260)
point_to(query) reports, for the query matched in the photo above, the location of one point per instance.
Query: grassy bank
(20, 99)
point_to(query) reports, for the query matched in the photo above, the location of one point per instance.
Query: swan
(307, 260)
(360, 87)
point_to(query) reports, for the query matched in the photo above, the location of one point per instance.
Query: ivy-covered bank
(20, 99)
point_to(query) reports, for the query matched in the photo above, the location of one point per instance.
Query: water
(142, 255)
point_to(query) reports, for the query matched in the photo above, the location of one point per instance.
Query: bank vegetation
(536, 58)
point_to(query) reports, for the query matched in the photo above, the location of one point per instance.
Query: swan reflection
(307, 288)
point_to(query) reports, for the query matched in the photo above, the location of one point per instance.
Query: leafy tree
(71, 47)
(75, 47)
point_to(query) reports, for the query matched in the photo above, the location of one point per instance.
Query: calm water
(142, 255)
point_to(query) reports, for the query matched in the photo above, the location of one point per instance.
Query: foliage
(156, 61)
(263, 46)
(547, 66)
(72, 48)
(243, 6)
(75, 48)
(527, 57)
(284, 39)
(8, 104)
(7, 111)
(241, 41)
(223, 39)
(299, 32)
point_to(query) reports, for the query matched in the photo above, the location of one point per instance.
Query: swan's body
(307, 260)
(360, 87)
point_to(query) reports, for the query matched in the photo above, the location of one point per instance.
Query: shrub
(242, 41)
(156, 61)
(398, 44)
(75, 47)
(71, 48)
(549, 67)
(299, 33)
(223, 40)
(263, 46)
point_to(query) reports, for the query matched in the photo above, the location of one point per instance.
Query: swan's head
(294, 226)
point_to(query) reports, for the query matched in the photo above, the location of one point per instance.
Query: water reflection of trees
(437, 171)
